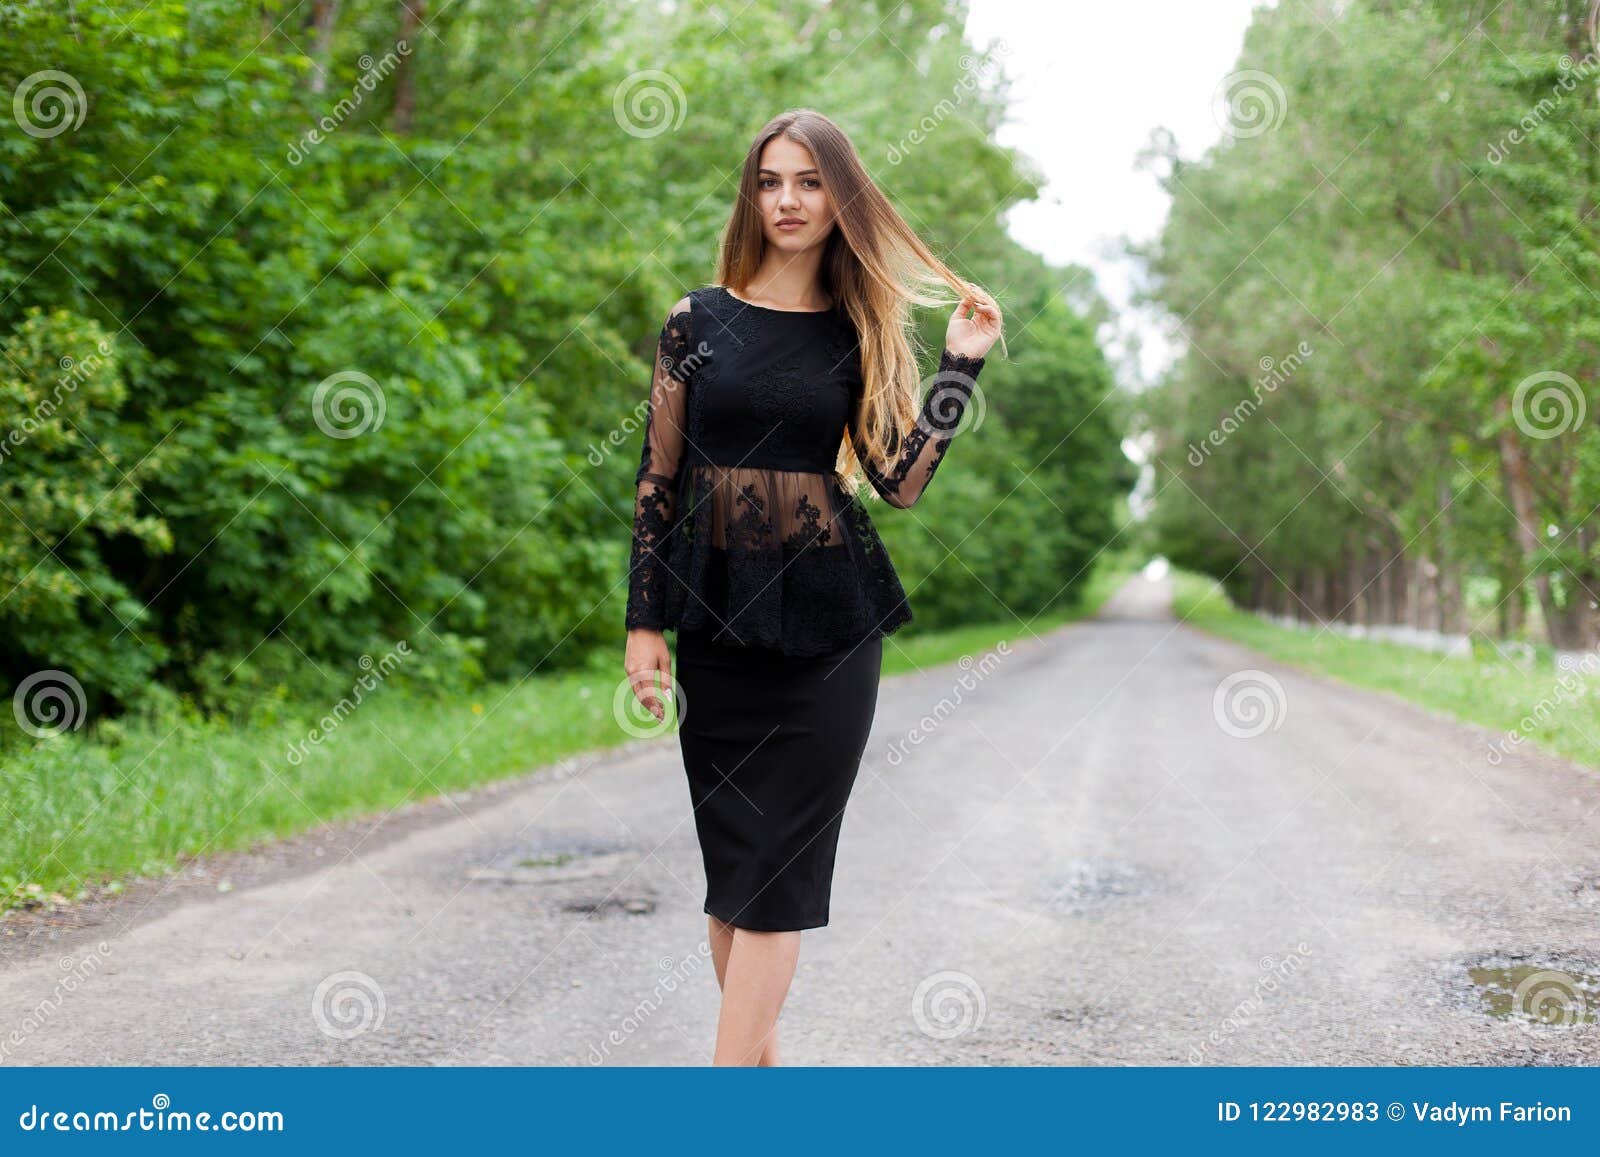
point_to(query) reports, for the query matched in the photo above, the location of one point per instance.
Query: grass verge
(1555, 710)
(79, 814)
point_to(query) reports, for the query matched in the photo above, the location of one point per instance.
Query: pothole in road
(1550, 991)
(1585, 890)
(612, 905)
(1086, 885)
(552, 859)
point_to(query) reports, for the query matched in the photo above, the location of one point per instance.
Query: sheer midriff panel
(763, 509)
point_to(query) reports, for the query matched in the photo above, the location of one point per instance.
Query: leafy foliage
(1420, 220)
(376, 286)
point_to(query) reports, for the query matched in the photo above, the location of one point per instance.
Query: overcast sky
(1090, 81)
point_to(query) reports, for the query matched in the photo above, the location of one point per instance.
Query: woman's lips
(789, 226)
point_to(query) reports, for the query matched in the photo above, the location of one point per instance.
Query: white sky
(1091, 79)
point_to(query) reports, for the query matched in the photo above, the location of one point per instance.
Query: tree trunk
(412, 14)
(321, 20)
(1515, 471)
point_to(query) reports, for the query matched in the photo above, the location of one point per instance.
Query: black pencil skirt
(771, 745)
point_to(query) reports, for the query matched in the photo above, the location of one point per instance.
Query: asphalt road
(1087, 855)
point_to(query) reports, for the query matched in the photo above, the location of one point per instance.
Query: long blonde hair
(873, 264)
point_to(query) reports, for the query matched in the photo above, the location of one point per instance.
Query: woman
(749, 539)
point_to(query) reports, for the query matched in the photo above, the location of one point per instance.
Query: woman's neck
(788, 282)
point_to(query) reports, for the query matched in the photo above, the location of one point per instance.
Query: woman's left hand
(972, 336)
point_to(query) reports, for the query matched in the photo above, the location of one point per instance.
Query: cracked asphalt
(1127, 841)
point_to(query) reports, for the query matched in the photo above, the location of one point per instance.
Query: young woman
(771, 388)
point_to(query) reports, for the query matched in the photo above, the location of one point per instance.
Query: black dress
(746, 543)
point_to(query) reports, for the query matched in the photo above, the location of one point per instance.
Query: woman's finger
(644, 690)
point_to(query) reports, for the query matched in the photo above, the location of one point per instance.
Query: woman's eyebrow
(775, 173)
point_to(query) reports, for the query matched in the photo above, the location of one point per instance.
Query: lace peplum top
(742, 527)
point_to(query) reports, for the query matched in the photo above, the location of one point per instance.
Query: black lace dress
(746, 542)
(741, 525)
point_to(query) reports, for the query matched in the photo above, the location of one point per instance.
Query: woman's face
(789, 188)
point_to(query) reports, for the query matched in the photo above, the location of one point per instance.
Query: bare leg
(755, 981)
(720, 938)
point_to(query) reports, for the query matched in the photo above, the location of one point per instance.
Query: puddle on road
(1086, 885)
(554, 861)
(1551, 992)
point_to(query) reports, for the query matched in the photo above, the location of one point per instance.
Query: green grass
(82, 812)
(1554, 710)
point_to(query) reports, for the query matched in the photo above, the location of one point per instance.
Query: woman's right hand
(647, 655)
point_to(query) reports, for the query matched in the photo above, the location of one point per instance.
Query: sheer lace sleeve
(914, 458)
(656, 481)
